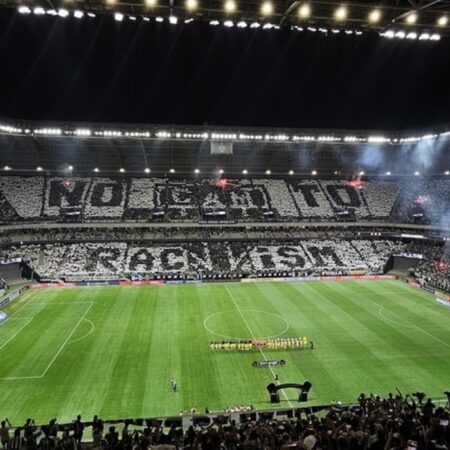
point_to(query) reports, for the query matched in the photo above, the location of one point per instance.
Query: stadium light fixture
(197, 171)
(242, 24)
(361, 173)
(442, 21)
(133, 18)
(110, 2)
(447, 172)
(118, 17)
(416, 173)
(147, 170)
(304, 11)
(221, 171)
(173, 20)
(70, 168)
(78, 14)
(314, 172)
(388, 173)
(39, 169)
(150, 3)
(291, 172)
(172, 170)
(24, 10)
(267, 8)
(39, 11)
(255, 25)
(341, 13)
(268, 172)
(245, 172)
(96, 170)
(230, 6)
(375, 16)
(228, 23)
(411, 18)
(6, 168)
(91, 14)
(191, 5)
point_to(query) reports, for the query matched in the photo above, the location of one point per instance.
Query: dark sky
(101, 70)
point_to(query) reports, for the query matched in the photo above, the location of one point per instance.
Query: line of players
(270, 344)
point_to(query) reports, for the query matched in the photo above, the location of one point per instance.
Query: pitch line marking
(420, 329)
(395, 322)
(16, 333)
(86, 335)
(254, 337)
(20, 309)
(57, 353)
(246, 310)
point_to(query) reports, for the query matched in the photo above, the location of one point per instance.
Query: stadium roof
(412, 15)
(127, 148)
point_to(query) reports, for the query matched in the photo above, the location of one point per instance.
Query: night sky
(101, 70)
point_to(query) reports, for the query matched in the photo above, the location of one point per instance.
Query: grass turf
(112, 351)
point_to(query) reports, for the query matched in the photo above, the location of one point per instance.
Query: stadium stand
(81, 199)
(372, 423)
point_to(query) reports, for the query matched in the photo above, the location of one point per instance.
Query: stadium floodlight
(52, 12)
(304, 11)
(361, 173)
(188, 20)
(314, 172)
(39, 11)
(118, 17)
(411, 35)
(191, 5)
(221, 171)
(172, 170)
(255, 25)
(242, 24)
(230, 6)
(388, 173)
(133, 18)
(447, 172)
(111, 2)
(122, 170)
(214, 23)
(245, 172)
(228, 23)
(335, 172)
(197, 171)
(435, 37)
(388, 34)
(91, 14)
(160, 19)
(96, 170)
(39, 169)
(291, 172)
(150, 3)
(24, 10)
(70, 168)
(442, 21)
(267, 8)
(268, 26)
(400, 34)
(424, 37)
(375, 16)
(340, 13)
(147, 170)
(173, 20)
(146, 19)
(6, 168)
(411, 18)
(78, 14)
(268, 172)
(416, 173)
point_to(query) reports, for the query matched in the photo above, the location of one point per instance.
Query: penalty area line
(254, 337)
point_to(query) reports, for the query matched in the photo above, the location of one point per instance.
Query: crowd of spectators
(393, 423)
(78, 199)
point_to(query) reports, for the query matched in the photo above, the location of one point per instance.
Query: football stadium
(203, 247)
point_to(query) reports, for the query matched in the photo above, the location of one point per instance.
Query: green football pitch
(112, 350)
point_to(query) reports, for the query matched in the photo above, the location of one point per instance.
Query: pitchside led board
(221, 148)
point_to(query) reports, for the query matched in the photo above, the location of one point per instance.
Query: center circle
(246, 324)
